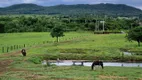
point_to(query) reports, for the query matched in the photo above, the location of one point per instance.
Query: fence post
(11, 47)
(7, 49)
(17, 46)
(14, 47)
(24, 45)
(2, 49)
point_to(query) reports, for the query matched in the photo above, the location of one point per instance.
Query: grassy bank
(25, 70)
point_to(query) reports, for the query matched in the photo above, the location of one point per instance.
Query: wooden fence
(6, 49)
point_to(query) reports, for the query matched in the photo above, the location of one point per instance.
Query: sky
(134, 3)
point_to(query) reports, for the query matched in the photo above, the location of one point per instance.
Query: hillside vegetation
(79, 9)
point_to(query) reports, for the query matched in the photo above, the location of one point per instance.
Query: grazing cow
(100, 63)
(23, 51)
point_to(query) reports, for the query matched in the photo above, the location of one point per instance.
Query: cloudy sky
(135, 3)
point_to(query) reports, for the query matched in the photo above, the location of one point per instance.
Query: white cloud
(140, 7)
(4, 3)
(101, 1)
(29, 1)
(68, 0)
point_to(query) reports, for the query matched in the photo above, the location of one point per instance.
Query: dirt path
(5, 63)
(11, 54)
(102, 77)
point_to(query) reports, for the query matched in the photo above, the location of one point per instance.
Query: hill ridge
(103, 9)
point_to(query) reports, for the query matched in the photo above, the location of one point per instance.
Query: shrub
(36, 60)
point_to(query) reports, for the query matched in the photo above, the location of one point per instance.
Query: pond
(70, 63)
(132, 53)
(127, 53)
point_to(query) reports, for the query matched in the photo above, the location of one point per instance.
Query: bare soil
(102, 77)
(4, 64)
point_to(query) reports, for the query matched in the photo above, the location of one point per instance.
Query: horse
(100, 63)
(23, 51)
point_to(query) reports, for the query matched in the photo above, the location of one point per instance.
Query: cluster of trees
(26, 23)
(44, 23)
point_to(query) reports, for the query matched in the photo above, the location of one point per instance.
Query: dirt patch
(40, 76)
(64, 79)
(11, 54)
(35, 77)
(102, 77)
(61, 79)
(140, 79)
(4, 64)
(16, 69)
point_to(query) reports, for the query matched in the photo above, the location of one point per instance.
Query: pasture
(74, 45)
(25, 70)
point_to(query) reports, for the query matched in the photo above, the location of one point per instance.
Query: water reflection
(70, 63)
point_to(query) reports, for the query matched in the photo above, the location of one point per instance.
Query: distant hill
(79, 9)
(22, 9)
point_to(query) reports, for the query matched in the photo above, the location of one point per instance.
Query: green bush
(35, 59)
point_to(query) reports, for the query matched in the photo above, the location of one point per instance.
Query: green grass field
(25, 70)
(29, 39)
(74, 45)
(81, 45)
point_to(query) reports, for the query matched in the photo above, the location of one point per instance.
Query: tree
(57, 32)
(1, 28)
(135, 34)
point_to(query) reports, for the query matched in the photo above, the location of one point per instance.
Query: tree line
(45, 23)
